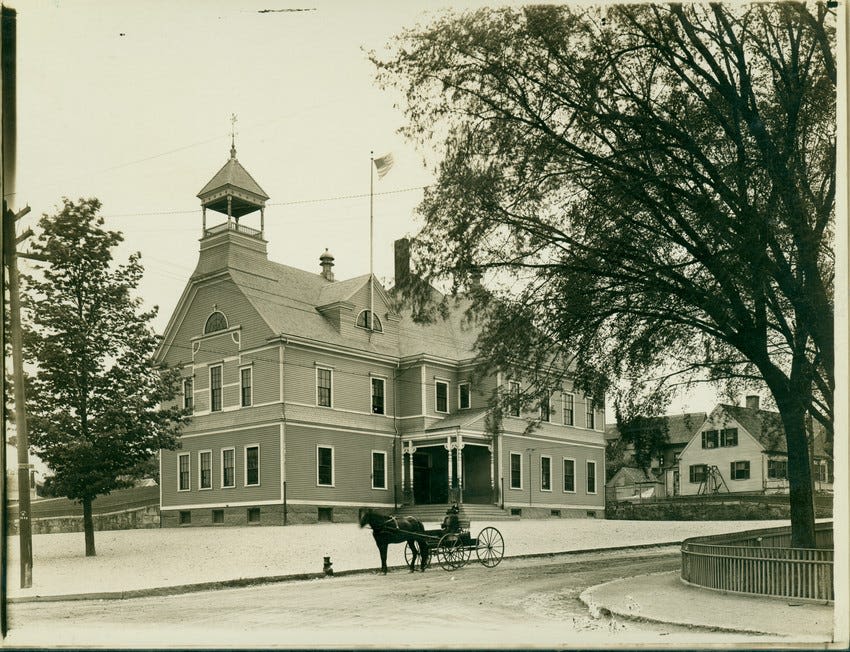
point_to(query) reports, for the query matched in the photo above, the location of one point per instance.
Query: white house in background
(742, 450)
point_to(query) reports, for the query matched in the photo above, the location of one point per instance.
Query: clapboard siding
(351, 384)
(268, 438)
(433, 373)
(409, 391)
(352, 465)
(531, 492)
(265, 367)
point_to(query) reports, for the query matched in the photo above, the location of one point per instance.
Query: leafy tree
(95, 400)
(648, 190)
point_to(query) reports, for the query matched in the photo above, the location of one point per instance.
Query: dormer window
(215, 322)
(363, 320)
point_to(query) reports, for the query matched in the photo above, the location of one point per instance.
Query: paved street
(521, 602)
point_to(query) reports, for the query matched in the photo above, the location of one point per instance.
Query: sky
(131, 102)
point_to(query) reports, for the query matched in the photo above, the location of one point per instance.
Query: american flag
(383, 164)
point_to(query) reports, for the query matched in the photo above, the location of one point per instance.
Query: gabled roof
(233, 174)
(460, 419)
(632, 475)
(680, 427)
(767, 428)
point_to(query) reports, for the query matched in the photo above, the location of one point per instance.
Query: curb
(180, 589)
(598, 610)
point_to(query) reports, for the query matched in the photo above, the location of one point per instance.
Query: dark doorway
(430, 476)
(476, 474)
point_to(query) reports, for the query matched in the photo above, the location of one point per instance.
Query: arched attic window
(363, 321)
(215, 322)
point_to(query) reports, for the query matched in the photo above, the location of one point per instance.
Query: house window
(188, 394)
(569, 475)
(215, 322)
(253, 515)
(820, 472)
(324, 385)
(545, 406)
(442, 391)
(591, 421)
(247, 378)
(740, 470)
(516, 471)
(205, 469)
(378, 387)
(228, 468)
(185, 518)
(709, 439)
(215, 388)
(591, 477)
(569, 414)
(325, 466)
(183, 472)
(729, 437)
(514, 408)
(777, 469)
(363, 321)
(379, 470)
(697, 473)
(252, 466)
(545, 473)
(463, 396)
(218, 516)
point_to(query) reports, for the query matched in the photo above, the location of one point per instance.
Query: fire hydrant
(328, 568)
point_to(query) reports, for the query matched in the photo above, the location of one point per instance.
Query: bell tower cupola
(233, 192)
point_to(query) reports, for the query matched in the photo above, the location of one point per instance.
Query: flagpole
(371, 239)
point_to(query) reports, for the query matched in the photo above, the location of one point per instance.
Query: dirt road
(520, 603)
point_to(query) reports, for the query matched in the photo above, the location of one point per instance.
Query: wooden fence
(762, 562)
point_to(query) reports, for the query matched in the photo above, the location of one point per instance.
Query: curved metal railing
(761, 562)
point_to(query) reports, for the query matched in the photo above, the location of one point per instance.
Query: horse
(396, 529)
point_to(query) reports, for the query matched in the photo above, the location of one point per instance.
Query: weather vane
(232, 135)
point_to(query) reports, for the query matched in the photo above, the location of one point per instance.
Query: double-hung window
(379, 470)
(591, 420)
(569, 407)
(228, 468)
(183, 472)
(777, 469)
(546, 406)
(515, 400)
(463, 396)
(569, 475)
(205, 469)
(324, 387)
(545, 473)
(729, 437)
(378, 390)
(709, 438)
(740, 470)
(697, 473)
(215, 388)
(247, 379)
(516, 471)
(188, 394)
(325, 466)
(252, 466)
(441, 389)
(591, 477)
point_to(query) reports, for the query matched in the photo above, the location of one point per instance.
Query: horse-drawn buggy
(452, 544)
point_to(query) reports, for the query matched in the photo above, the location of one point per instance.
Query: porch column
(492, 473)
(449, 447)
(459, 446)
(410, 450)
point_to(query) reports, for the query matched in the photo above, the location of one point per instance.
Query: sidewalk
(167, 561)
(664, 598)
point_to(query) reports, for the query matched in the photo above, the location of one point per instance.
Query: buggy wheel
(408, 555)
(491, 547)
(450, 552)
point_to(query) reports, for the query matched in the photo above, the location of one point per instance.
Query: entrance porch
(445, 472)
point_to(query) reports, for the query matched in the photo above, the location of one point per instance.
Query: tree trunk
(799, 473)
(88, 526)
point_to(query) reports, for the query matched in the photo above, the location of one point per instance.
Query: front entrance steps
(475, 513)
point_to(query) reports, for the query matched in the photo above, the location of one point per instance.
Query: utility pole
(8, 121)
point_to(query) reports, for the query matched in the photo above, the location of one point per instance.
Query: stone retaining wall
(144, 517)
(705, 509)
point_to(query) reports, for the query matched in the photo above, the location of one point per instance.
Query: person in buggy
(451, 522)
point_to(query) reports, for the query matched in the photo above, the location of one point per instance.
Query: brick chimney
(402, 261)
(327, 262)
(753, 402)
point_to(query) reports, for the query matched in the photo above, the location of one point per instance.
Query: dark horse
(396, 529)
